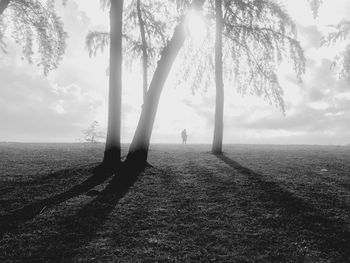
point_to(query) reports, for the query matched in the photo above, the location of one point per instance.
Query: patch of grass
(254, 204)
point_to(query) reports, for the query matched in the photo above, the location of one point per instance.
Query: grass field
(253, 204)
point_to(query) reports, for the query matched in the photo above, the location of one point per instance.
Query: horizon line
(173, 143)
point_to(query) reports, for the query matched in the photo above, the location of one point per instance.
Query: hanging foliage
(35, 27)
(257, 37)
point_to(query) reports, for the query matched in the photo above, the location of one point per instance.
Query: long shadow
(330, 235)
(49, 176)
(74, 231)
(10, 221)
(44, 185)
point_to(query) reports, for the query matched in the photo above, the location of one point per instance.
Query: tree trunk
(144, 50)
(219, 106)
(113, 147)
(140, 144)
(3, 5)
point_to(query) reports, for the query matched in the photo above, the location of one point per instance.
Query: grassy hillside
(254, 204)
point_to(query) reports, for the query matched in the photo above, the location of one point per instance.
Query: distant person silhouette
(184, 136)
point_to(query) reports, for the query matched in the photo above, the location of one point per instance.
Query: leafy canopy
(158, 19)
(341, 63)
(257, 36)
(34, 25)
(315, 5)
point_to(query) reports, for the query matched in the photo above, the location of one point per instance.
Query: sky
(35, 108)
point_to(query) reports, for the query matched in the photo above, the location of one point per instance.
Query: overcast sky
(34, 108)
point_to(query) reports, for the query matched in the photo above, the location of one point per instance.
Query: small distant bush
(92, 134)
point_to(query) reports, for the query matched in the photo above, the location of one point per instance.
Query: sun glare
(196, 27)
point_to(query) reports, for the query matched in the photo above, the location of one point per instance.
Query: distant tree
(92, 133)
(29, 21)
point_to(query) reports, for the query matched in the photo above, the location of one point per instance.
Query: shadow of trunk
(77, 230)
(328, 235)
(10, 221)
(9, 186)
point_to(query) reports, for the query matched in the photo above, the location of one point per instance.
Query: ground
(253, 204)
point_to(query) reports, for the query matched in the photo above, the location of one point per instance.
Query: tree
(315, 5)
(143, 17)
(341, 63)
(92, 134)
(341, 32)
(97, 41)
(138, 150)
(257, 36)
(112, 152)
(30, 20)
(144, 50)
(219, 84)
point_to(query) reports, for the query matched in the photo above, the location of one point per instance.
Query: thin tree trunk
(144, 50)
(113, 147)
(140, 144)
(3, 5)
(219, 106)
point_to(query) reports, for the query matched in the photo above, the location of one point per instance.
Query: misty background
(35, 108)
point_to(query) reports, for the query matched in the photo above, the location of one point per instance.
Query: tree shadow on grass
(10, 221)
(329, 235)
(54, 177)
(74, 231)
